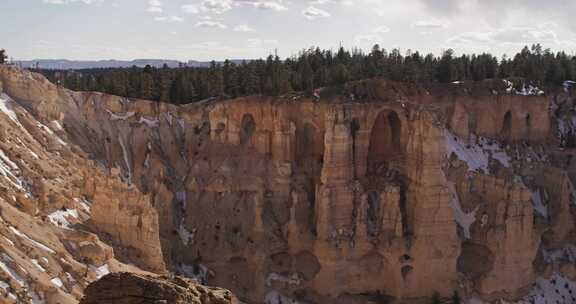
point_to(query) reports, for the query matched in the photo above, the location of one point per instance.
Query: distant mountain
(65, 64)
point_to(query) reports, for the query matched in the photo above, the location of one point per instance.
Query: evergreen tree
(3, 56)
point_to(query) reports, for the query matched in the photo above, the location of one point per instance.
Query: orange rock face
(401, 195)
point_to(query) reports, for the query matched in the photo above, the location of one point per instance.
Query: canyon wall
(399, 195)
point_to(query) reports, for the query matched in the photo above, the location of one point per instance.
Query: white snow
(60, 217)
(6, 108)
(35, 262)
(477, 152)
(185, 235)
(8, 241)
(114, 116)
(56, 125)
(150, 122)
(568, 84)
(126, 158)
(274, 297)
(290, 278)
(538, 204)
(199, 272)
(530, 90)
(9, 271)
(36, 243)
(4, 285)
(564, 254)
(100, 271)
(57, 282)
(84, 203)
(464, 220)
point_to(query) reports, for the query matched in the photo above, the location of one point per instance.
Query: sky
(247, 29)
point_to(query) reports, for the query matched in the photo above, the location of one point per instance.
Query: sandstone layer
(399, 194)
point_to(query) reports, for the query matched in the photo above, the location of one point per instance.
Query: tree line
(314, 68)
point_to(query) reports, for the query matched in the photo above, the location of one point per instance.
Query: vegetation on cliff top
(314, 68)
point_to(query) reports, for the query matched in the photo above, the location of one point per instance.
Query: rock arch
(247, 129)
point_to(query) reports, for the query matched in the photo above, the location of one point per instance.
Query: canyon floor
(388, 192)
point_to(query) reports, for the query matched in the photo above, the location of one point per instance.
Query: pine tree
(3, 56)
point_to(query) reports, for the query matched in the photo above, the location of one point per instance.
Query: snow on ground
(100, 271)
(538, 204)
(274, 297)
(35, 262)
(568, 84)
(6, 108)
(114, 116)
(198, 272)
(84, 203)
(555, 290)
(288, 278)
(126, 159)
(34, 242)
(185, 235)
(150, 122)
(477, 152)
(464, 220)
(564, 254)
(4, 259)
(57, 282)
(41, 126)
(60, 217)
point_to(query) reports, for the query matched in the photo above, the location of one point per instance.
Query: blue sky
(219, 29)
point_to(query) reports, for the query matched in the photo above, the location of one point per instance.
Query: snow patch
(477, 152)
(36, 243)
(464, 220)
(126, 159)
(9, 271)
(274, 297)
(57, 282)
(100, 271)
(114, 116)
(538, 204)
(287, 278)
(60, 218)
(198, 272)
(6, 108)
(35, 262)
(151, 123)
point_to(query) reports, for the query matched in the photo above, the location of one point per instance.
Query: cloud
(265, 5)
(261, 43)
(191, 8)
(381, 30)
(243, 28)
(210, 24)
(367, 39)
(516, 36)
(154, 6)
(312, 13)
(169, 19)
(60, 2)
(342, 2)
(430, 24)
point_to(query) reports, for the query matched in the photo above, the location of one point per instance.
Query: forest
(315, 68)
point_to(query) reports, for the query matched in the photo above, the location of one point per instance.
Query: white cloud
(216, 6)
(210, 24)
(381, 30)
(313, 13)
(243, 28)
(265, 5)
(191, 8)
(261, 43)
(430, 24)
(367, 39)
(154, 6)
(59, 2)
(515, 36)
(169, 19)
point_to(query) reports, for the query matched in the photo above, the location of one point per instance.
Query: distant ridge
(65, 64)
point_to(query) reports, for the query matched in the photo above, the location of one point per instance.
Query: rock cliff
(389, 192)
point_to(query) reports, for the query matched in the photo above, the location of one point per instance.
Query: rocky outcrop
(130, 288)
(396, 191)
